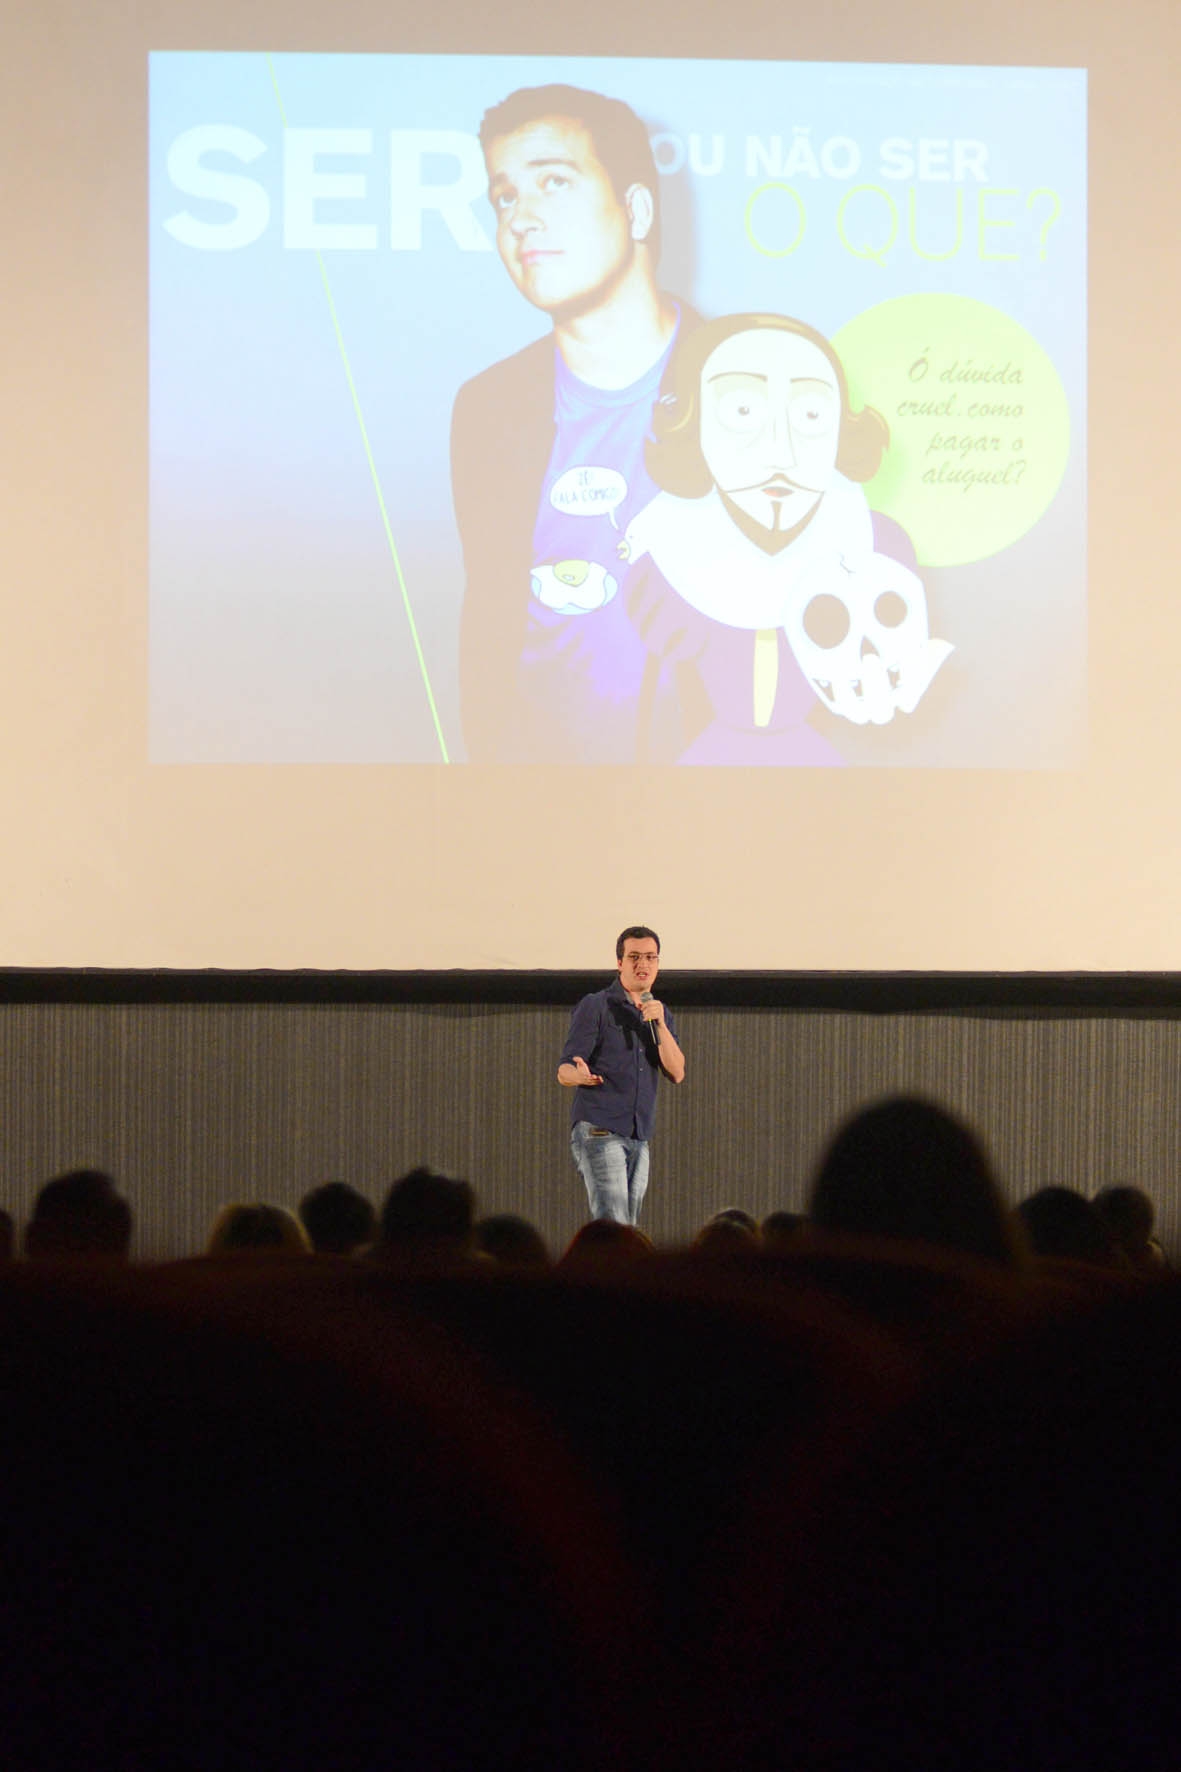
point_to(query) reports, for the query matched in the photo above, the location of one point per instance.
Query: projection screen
(465, 497)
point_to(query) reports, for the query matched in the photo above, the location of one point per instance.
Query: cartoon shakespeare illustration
(759, 581)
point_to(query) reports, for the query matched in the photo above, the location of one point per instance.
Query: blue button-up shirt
(610, 1033)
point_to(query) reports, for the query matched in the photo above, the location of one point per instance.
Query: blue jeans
(614, 1169)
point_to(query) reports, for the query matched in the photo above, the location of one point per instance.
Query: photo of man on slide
(547, 446)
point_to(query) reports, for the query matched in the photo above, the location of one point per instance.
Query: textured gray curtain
(191, 1105)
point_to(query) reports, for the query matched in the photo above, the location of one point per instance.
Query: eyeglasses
(636, 958)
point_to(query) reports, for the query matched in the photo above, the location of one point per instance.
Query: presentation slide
(471, 483)
(556, 410)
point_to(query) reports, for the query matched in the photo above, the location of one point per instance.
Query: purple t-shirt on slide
(582, 661)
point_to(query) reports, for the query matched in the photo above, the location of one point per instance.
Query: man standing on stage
(620, 1040)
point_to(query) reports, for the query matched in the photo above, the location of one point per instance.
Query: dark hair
(337, 1218)
(636, 932)
(511, 1241)
(426, 1205)
(618, 137)
(79, 1213)
(731, 1228)
(906, 1168)
(1063, 1224)
(256, 1225)
(781, 1227)
(1128, 1213)
(738, 1215)
(673, 454)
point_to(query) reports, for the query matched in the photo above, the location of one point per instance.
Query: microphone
(654, 1026)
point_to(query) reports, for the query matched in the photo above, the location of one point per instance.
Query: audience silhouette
(1062, 1224)
(1129, 1215)
(239, 1228)
(428, 1219)
(338, 1219)
(835, 1491)
(906, 1168)
(511, 1241)
(80, 1213)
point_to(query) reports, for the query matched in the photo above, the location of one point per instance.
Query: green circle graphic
(979, 424)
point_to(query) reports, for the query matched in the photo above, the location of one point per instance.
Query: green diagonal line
(381, 504)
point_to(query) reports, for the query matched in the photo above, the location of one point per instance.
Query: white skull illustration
(858, 629)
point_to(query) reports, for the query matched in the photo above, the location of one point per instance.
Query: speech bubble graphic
(589, 492)
(979, 422)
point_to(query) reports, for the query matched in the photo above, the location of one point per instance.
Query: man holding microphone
(620, 1041)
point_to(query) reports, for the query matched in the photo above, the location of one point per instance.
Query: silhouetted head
(79, 1213)
(906, 1168)
(427, 1208)
(731, 1228)
(781, 1229)
(240, 1228)
(1129, 1214)
(1062, 1223)
(511, 1241)
(337, 1218)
